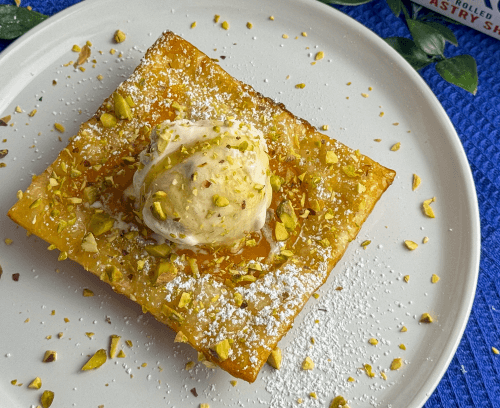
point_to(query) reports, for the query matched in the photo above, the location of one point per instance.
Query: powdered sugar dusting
(334, 334)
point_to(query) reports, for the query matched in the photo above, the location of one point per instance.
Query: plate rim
(442, 363)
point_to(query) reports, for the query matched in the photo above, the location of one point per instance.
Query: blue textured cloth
(477, 121)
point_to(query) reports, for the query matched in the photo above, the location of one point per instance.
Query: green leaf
(346, 2)
(445, 32)
(432, 16)
(426, 37)
(15, 21)
(460, 71)
(415, 9)
(396, 6)
(410, 52)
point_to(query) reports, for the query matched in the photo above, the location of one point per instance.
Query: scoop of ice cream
(204, 182)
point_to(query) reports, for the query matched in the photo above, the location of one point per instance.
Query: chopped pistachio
(396, 364)
(250, 243)
(331, 157)
(50, 356)
(75, 173)
(360, 188)
(233, 383)
(159, 195)
(427, 207)
(222, 349)
(276, 182)
(364, 244)
(113, 273)
(163, 273)
(35, 203)
(60, 128)
(274, 359)
(368, 370)
(373, 341)
(434, 278)
(416, 182)
(47, 398)
(308, 363)
(122, 108)
(411, 245)
(89, 243)
(87, 293)
(325, 242)
(180, 337)
(350, 170)
(97, 360)
(172, 314)
(238, 299)
(108, 120)
(286, 214)
(319, 56)
(338, 402)
(130, 101)
(395, 147)
(100, 223)
(36, 383)
(119, 36)
(161, 251)
(281, 232)
(220, 201)
(426, 318)
(157, 211)
(113, 345)
(245, 278)
(184, 300)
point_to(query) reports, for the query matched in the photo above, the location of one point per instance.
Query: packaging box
(482, 15)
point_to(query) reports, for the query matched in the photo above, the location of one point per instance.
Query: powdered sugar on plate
(335, 334)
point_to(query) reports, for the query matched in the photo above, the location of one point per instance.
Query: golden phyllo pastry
(233, 303)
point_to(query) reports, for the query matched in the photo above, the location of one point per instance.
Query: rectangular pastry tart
(211, 206)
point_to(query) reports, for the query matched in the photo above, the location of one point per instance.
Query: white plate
(375, 301)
